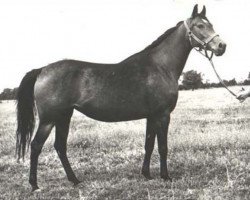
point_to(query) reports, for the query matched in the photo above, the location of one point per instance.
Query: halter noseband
(202, 43)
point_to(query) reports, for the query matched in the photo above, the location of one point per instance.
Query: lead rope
(216, 73)
(221, 81)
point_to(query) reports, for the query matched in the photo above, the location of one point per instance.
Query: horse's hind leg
(42, 134)
(62, 130)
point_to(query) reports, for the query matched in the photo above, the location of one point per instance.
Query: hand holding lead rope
(243, 94)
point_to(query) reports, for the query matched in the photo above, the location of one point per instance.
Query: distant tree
(247, 81)
(8, 94)
(192, 79)
(232, 82)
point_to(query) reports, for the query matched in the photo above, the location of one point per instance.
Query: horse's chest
(162, 94)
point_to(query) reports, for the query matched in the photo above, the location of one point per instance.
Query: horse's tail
(25, 111)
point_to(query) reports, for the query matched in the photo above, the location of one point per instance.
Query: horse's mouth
(218, 53)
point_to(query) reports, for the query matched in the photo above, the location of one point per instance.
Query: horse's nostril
(222, 46)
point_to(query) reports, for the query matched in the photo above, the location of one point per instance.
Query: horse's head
(201, 33)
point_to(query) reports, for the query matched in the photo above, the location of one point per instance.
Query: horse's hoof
(166, 178)
(147, 175)
(36, 190)
(77, 182)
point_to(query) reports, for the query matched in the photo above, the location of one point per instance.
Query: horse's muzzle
(217, 46)
(221, 49)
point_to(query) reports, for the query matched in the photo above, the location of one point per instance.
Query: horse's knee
(149, 150)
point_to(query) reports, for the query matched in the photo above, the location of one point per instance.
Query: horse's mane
(163, 36)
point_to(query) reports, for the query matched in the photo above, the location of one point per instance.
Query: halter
(202, 43)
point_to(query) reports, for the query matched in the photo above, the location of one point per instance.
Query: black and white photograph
(128, 99)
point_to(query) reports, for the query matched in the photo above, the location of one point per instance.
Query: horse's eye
(201, 26)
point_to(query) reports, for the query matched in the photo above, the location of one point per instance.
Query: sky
(36, 33)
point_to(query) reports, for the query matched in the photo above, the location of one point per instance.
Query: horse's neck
(173, 52)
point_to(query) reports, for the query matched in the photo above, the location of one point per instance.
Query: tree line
(194, 80)
(190, 80)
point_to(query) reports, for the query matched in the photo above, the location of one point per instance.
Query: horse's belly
(112, 113)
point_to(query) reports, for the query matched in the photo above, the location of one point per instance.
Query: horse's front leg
(149, 147)
(162, 133)
(156, 125)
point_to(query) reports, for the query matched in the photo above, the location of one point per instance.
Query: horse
(143, 86)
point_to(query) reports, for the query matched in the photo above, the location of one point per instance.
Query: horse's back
(94, 89)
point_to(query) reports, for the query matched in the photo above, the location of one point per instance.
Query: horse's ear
(195, 10)
(203, 12)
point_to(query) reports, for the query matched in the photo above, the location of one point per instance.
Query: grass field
(209, 155)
